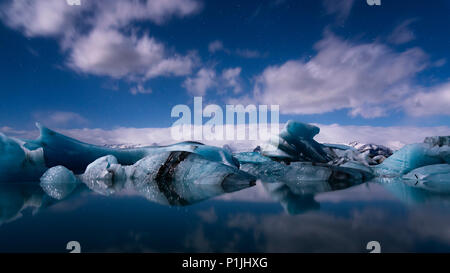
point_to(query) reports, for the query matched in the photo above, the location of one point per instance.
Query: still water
(262, 218)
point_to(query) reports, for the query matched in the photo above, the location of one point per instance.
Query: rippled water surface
(258, 219)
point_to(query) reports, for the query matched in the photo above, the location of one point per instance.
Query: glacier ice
(296, 143)
(58, 182)
(173, 178)
(17, 163)
(413, 156)
(435, 178)
(59, 149)
(293, 167)
(181, 178)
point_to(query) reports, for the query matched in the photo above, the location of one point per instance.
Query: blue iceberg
(76, 155)
(172, 178)
(296, 143)
(187, 172)
(435, 178)
(17, 163)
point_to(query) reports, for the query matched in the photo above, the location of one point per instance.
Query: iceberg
(296, 143)
(173, 178)
(411, 157)
(59, 182)
(76, 155)
(434, 178)
(17, 163)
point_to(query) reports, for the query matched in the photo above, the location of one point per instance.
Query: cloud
(203, 80)
(140, 89)
(100, 37)
(215, 46)
(120, 13)
(37, 17)
(433, 102)
(231, 78)
(109, 52)
(369, 79)
(402, 33)
(60, 119)
(392, 136)
(341, 9)
(208, 79)
(52, 17)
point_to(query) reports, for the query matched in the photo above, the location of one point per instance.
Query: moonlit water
(402, 218)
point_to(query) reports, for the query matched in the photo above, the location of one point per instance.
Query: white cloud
(119, 13)
(231, 78)
(392, 136)
(100, 36)
(207, 79)
(369, 79)
(215, 46)
(111, 53)
(434, 102)
(402, 33)
(37, 17)
(51, 17)
(60, 119)
(203, 80)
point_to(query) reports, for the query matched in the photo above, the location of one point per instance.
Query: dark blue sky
(328, 62)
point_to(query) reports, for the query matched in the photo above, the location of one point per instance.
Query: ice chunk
(272, 171)
(104, 175)
(434, 178)
(251, 157)
(438, 141)
(296, 143)
(182, 178)
(76, 155)
(18, 164)
(357, 169)
(59, 182)
(373, 150)
(339, 146)
(411, 157)
(341, 157)
(172, 178)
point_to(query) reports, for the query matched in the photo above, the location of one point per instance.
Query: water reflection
(295, 197)
(313, 217)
